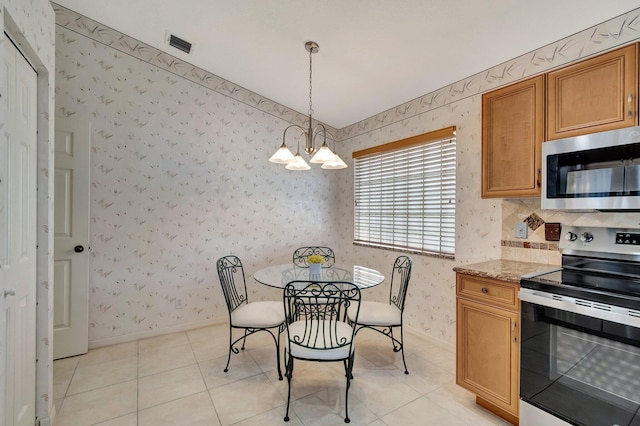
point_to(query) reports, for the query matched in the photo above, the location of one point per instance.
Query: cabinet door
(512, 135)
(594, 95)
(488, 353)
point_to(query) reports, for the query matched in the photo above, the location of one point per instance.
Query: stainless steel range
(580, 326)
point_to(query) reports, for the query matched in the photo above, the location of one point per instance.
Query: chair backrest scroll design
(232, 280)
(301, 254)
(320, 312)
(400, 277)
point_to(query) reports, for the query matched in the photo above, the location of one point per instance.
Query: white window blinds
(405, 194)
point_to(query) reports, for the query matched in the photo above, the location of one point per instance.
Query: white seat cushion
(343, 331)
(258, 315)
(376, 314)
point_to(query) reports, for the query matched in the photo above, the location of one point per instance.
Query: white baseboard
(125, 338)
(222, 320)
(48, 421)
(43, 422)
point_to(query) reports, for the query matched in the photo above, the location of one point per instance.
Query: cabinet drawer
(492, 291)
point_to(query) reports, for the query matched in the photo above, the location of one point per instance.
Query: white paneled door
(71, 230)
(18, 158)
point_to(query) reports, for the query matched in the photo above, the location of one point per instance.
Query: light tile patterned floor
(177, 379)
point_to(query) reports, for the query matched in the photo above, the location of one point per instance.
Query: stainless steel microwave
(599, 171)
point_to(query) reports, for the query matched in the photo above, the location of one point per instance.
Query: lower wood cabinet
(488, 343)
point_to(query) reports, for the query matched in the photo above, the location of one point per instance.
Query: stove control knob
(570, 236)
(586, 237)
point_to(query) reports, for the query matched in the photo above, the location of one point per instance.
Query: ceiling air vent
(179, 43)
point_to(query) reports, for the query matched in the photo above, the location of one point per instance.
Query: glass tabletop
(280, 275)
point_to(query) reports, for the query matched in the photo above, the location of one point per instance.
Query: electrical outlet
(179, 304)
(521, 230)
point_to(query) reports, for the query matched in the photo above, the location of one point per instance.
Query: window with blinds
(404, 194)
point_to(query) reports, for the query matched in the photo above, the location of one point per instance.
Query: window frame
(388, 173)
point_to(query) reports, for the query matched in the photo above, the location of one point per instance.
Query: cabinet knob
(539, 178)
(485, 290)
(78, 249)
(630, 102)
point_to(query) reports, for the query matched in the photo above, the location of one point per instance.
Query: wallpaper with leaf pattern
(180, 177)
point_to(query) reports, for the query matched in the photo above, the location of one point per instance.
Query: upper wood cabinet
(594, 95)
(512, 135)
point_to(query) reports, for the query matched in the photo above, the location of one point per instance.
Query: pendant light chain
(310, 84)
(323, 155)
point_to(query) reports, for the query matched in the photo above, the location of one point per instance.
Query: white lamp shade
(335, 164)
(297, 163)
(323, 155)
(282, 155)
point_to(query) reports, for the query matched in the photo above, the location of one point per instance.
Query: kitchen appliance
(599, 171)
(580, 333)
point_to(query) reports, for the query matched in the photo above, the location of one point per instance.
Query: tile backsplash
(535, 248)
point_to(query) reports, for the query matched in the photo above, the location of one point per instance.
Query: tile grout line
(206, 387)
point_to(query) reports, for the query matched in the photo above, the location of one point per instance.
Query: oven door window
(581, 369)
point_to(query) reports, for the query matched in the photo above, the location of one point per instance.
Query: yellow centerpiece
(315, 262)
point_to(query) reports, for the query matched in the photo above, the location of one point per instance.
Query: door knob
(78, 249)
(10, 292)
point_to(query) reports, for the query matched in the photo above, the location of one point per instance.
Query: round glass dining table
(280, 275)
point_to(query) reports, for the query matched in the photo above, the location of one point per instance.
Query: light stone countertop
(505, 270)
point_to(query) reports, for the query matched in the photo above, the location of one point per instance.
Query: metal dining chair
(250, 317)
(301, 254)
(384, 317)
(318, 328)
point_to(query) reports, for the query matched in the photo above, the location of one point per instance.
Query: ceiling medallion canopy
(324, 155)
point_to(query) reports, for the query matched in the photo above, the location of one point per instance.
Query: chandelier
(324, 155)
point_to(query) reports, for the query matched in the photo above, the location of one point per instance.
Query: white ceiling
(374, 54)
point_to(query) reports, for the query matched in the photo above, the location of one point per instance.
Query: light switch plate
(521, 230)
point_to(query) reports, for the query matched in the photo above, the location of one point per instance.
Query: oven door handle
(565, 303)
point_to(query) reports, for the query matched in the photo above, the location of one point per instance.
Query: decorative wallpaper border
(100, 33)
(607, 35)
